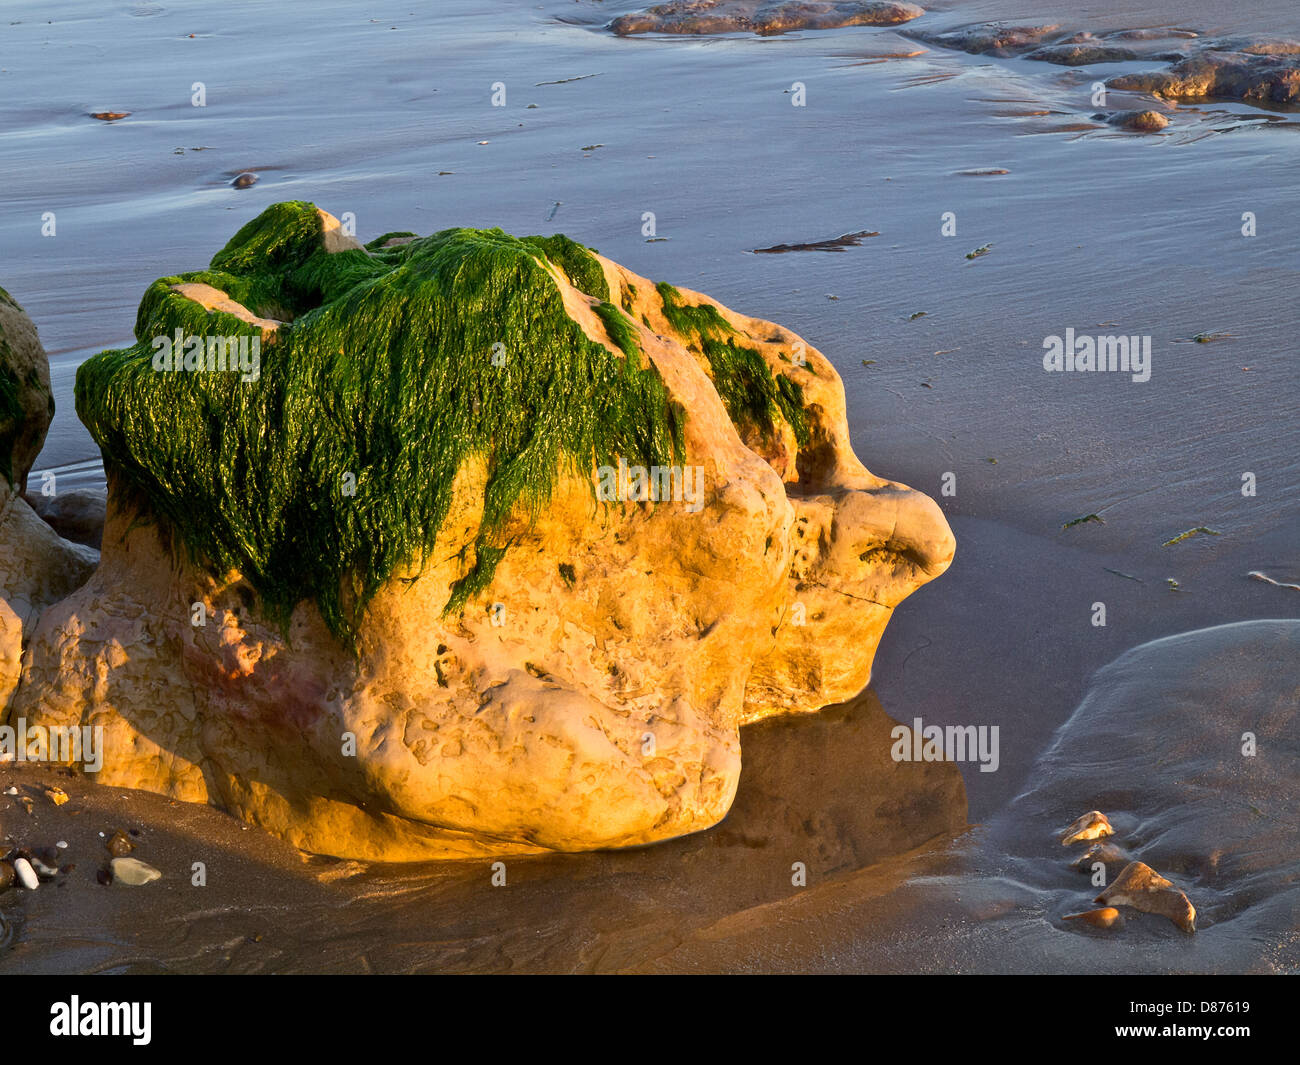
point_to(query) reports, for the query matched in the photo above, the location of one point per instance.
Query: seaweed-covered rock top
(494, 508)
(350, 386)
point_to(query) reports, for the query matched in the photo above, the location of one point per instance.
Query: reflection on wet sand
(820, 799)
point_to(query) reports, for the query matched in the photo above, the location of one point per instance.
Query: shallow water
(1088, 227)
(1157, 744)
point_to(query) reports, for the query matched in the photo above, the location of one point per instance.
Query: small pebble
(1107, 917)
(120, 845)
(1092, 825)
(26, 874)
(11, 791)
(47, 871)
(62, 844)
(133, 871)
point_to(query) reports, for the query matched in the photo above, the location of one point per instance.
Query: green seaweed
(378, 243)
(12, 414)
(335, 466)
(740, 374)
(789, 397)
(703, 320)
(1084, 520)
(579, 265)
(1190, 533)
(619, 327)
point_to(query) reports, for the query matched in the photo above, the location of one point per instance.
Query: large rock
(373, 595)
(37, 568)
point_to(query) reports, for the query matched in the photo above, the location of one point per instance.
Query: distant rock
(1049, 43)
(1252, 69)
(1083, 54)
(991, 38)
(414, 599)
(1253, 77)
(1137, 121)
(764, 17)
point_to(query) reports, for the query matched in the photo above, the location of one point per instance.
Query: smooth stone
(47, 871)
(1092, 825)
(1139, 121)
(119, 846)
(133, 871)
(26, 874)
(1107, 917)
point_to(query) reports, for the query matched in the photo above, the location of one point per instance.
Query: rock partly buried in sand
(1083, 53)
(1255, 70)
(762, 16)
(1049, 43)
(991, 38)
(1249, 76)
(1137, 121)
(1111, 857)
(1144, 889)
(494, 552)
(133, 872)
(37, 568)
(1092, 825)
(1107, 917)
(76, 514)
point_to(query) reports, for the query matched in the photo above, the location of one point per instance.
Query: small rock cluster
(27, 867)
(1137, 886)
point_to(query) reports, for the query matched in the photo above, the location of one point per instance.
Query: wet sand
(1090, 225)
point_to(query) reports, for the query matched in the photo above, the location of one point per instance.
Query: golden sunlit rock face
(589, 695)
(37, 568)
